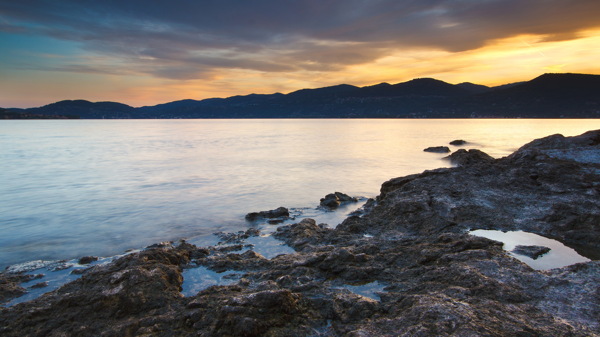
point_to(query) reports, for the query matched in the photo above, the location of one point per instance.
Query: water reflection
(90, 187)
(558, 256)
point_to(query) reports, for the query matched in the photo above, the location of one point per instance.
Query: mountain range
(547, 96)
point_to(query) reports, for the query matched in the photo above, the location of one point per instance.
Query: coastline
(411, 245)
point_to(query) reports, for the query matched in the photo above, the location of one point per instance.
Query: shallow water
(558, 256)
(200, 278)
(100, 187)
(369, 290)
(53, 273)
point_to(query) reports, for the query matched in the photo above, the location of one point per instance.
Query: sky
(143, 52)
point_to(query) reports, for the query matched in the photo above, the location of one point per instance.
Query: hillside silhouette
(546, 96)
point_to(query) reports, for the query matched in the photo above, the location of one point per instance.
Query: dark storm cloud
(185, 38)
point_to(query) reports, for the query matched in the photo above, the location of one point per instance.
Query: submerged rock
(531, 251)
(437, 149)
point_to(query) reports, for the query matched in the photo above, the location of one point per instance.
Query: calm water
(558, 256)
(100, 187)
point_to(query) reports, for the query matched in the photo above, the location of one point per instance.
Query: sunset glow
(146, 55)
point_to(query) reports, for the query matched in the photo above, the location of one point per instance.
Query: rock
(435, 279)
(334, 200)
(87, 259)
(531, 251)
(78, 271)
(301, 234)
(39, 285)
(10, 285)
(437, 149)
(458, 142)
(237, 238)
(280, 213)
(463, 157)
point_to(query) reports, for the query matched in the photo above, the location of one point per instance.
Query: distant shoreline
(547, 96)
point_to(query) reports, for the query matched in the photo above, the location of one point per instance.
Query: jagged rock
(464, 157)
(437, 280)
(300, 234)
(237, 238)
(279, 213)
(437, 149)
(10, 286)
(531, 251)
(334, 200)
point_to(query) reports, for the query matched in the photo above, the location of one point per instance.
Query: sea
(72, 188)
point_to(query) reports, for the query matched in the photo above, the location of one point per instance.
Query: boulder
(464, 157)
(458, 142)
(334, 200)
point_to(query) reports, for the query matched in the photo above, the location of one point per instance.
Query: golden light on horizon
(140, 64)
(514, 59)
(518, 58)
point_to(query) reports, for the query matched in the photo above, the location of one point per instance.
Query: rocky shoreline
(410, 249)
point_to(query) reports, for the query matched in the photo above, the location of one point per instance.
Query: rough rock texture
(531, 251)
(10, 285)
(334, 200)
(438, 280)
(280, 213)
(87, 259)
(437, 149)
(464, 157)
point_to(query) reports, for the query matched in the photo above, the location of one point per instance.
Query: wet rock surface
(531, 251)
(334, 200)
(464, 157)
(275, 215)
(438, 280)
(87, 259)
(10, 285)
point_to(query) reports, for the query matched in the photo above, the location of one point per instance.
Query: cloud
(183, 39)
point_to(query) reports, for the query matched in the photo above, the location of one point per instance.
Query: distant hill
(547, 96)
(86, 109)
(19, 114)
(474, 88)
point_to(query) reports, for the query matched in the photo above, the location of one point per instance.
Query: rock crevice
(437, 279)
